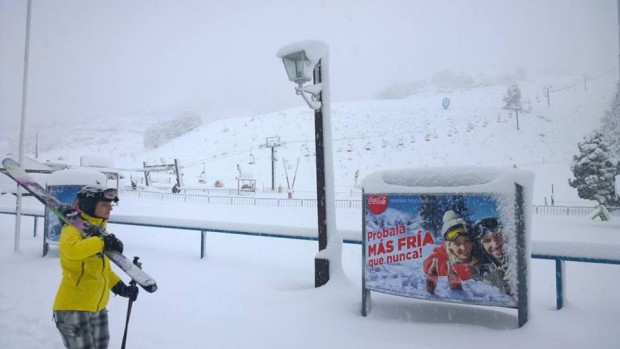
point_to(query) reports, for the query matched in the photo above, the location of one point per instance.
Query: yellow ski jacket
(86, 274)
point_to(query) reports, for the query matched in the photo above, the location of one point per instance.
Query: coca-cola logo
(377, 203)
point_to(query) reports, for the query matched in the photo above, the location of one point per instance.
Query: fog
(158, 58)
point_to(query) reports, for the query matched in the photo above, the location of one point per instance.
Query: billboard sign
(452, 234)
(446, 247)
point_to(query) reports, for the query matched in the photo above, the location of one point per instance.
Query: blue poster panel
(66, 194)
(457, 248)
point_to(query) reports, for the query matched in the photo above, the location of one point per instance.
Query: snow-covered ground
(367, 136)
(255, 292)
(252, 292)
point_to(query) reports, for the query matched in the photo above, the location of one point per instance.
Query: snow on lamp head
(300, 60)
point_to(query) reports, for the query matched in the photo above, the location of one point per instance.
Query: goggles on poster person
(484, 231)
(110, 195)
(455, 231)
(488, 226)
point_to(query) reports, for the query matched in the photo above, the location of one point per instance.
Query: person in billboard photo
(455, 257)
(490, 241)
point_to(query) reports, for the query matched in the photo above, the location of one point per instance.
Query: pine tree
(611, 126)
(593, 171)
(513, 101)
(165, 131)
(459, 206)
(431, 214)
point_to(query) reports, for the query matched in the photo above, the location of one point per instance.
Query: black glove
(123, 290)
(92, 230)
(112, 243)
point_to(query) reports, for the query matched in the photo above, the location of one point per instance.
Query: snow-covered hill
(367, 136)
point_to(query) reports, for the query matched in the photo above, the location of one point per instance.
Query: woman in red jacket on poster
(454, 258)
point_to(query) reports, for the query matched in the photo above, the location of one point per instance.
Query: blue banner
(66, 194)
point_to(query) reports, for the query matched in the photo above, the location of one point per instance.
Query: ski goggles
(496, 231)
(487, 226)
(455, 231)
(110, 195)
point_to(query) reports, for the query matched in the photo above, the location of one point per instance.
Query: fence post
(203, 235)
(560, 269)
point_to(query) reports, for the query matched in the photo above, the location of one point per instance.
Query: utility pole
(22, 130)
(273, 143)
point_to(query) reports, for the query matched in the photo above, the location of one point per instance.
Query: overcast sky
(218, 58)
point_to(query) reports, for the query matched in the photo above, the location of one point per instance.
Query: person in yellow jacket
(87, 278)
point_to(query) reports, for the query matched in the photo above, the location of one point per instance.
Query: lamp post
(305, 61)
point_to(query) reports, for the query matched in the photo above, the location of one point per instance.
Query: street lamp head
(300, 61)
(300, 58)
(298, 67)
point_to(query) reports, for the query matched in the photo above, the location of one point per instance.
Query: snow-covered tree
(593, 171)
(431, 214)
(611, 126)
(448, 80)
(166, 131)
(513, 101)
(459, 206)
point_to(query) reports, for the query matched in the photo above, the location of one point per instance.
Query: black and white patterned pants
(83, 329)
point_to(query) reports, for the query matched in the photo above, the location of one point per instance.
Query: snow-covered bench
(563, 251)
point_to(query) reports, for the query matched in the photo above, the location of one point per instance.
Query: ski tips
(7, 161)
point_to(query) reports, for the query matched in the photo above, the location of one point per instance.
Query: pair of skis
(19, 175)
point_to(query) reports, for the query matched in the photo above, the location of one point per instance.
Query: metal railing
(204, 227)
(571, 210)
(233, 200)
(257, 230)
(340, 203)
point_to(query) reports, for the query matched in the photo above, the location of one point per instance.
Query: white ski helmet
(453, 226)
(89, 195)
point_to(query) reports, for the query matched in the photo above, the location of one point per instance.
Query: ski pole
(132, 283)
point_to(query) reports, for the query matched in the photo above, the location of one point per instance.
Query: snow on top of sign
(463, 179)
(76, 177)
